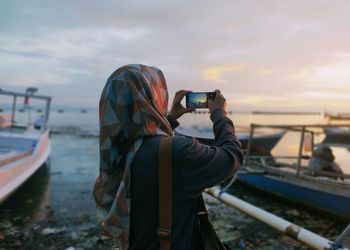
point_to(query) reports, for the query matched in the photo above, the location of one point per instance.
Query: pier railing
(29, 94)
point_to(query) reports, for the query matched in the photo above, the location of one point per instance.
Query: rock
(17, 218)
(74, 236)
(17, 243)
(70, 248)
(293, 212)
(5, 224)
(63, 210)
(49, 230)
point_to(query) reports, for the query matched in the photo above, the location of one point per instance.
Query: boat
(262, 144)
(337, 116)
(24, 148)
(288, 178)
(337, 135)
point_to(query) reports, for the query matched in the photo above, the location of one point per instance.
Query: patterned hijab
(133, 105)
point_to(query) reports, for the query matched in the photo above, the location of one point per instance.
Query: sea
(61, 191)
(84, 124)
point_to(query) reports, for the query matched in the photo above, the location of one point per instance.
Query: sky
(262, 54)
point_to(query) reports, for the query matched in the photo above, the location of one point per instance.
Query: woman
(133, 108)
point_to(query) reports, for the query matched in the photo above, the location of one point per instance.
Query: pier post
(300, 150)
(250, 142)
(13, 109)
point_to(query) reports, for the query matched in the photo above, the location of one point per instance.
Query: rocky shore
(78, 232)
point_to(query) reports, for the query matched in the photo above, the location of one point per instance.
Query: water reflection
(31, 202)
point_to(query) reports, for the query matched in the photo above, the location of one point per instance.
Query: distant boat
(60, 111)
(338, 116)
(337, 135)
(83, 111)
(23, 148)
(262, 144)
(322, 190)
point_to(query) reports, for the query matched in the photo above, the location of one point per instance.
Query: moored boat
(262, 144)
(24, 148)
(289, 179)
(337, 135)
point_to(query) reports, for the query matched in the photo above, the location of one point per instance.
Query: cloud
(325, 75)
(252, 49)
(215, 73)
(266, 71)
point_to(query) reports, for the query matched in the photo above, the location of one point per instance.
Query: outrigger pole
(294, 231)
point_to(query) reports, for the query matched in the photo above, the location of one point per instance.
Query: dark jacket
(194, 167)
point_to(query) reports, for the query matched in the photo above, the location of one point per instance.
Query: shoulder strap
(165, 192)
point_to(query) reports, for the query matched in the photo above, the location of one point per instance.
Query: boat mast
(13, 109)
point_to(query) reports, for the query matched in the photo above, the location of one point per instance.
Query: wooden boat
(323, 190)
(262, 144)
(23, 148)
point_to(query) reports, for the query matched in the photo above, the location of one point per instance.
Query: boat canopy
(30, 93)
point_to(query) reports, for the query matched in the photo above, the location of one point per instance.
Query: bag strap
(165, 192)
(209, 238)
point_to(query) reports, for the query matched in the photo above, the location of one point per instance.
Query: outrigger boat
(24, 148)
(286, 177)
(323, 190)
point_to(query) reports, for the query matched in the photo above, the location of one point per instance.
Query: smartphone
(199, 100)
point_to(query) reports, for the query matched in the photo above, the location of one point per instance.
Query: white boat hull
(15, 173)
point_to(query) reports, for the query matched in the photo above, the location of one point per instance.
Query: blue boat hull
(324, 201)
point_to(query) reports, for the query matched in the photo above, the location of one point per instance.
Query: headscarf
(133, 105)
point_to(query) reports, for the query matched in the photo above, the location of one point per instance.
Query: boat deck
(12, 155)
(16, 143)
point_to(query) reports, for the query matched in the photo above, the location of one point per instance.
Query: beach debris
(241, 244)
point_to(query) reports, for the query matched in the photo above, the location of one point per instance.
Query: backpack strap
(165, 192)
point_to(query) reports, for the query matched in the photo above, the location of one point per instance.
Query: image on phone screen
(197, 99)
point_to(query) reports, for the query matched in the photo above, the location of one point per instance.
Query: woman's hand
(219, 102)
(177, 110)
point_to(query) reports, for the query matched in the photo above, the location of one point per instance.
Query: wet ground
(55, 209)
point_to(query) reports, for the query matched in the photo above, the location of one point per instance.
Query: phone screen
(198, 99)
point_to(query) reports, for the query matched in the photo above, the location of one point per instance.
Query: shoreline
(65, 229)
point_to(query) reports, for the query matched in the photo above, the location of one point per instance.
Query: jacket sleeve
(206, 166)
(173, 123)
